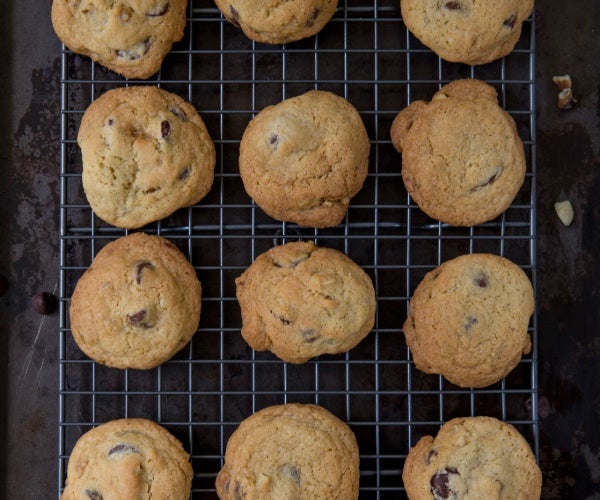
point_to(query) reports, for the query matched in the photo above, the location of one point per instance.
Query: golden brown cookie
(128, 459)
(146, 153)
(467, 31)
(300, 301)
(137, 304)
(272, 21)
(290, 451)
(304, 158)
(468, 319)
(472, 457)
(462, 159)
(129, 37)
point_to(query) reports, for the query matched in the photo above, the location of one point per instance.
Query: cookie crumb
(565, 212)
(565, 96)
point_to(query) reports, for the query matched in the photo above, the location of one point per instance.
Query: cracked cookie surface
(128, 459)
(146, 153)
(129, 37)
(300, 301)
(468, 319)
(137, 304)
(276, 21)
(467, 31)
(290, 451)
(472, 458)
(462, 159)
(303, 159)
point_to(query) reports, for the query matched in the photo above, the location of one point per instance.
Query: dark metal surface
(567, 295)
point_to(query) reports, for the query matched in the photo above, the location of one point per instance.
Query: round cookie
(146, 153)
(467, 31)
(290, 451)
(304, 158)
(462, 159)
(300, 301)
(272, 21)
(472, 457)
(468, 319)
(137, 304)
(129, 37)
(128, 458)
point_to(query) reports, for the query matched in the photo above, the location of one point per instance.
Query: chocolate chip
(453, 5)
(274, 141)
(137, 319)
(315, 13)
(291, 471)
(235, 15)
(510, 22)
(136, 51)
(184, 174)
(139, 269)
(122, 448)
(481, 280)
(44, 303)
(3, 284)
(165, 129)
(432, 453)
(111, 122)
(440, 484)
(93, 494)
(470, 322)
(309, 335)
(490, 180)
(158, 11)
(178, 112)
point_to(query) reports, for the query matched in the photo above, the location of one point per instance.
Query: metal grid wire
(365, 54)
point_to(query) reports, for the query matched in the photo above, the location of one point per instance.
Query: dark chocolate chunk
(309, 335)
(235, 16)
(490, 180)
(136, 51)
(291, 471)
(453, 5)
(315, 13)
(139, 269)
(470, 322)
(432, 453)
(111, 122)
(165, 129)
(93, 494)
(3, 284)
(274, 141)
(122, 448)
(481, 280)
(161, 10)
(178, 112)
(137, 319)
(44, 303)
(184, 174)
(440, 484)
(510, 22)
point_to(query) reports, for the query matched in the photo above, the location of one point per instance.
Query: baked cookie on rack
(462, 159)
(137, 304)
(272, 21)
(467, 31)
(468, 319)
(300, 301)
(128, 458)
(472, 457)
(303, 159)
(146, 153)
(290, 451)
(129, 37)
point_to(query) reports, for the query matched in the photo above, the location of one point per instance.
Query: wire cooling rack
(366, 55)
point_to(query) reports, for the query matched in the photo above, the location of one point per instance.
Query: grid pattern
(366, 55)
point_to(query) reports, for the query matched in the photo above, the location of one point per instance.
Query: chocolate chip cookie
(272, 21)
(304, 158)
(137, 304)
(467, 31)
(472, 457)
(301, 301)
(468, 319)
(146, 153)
(129, 37)
(290, 451)
(462, 159)
(128, 458)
